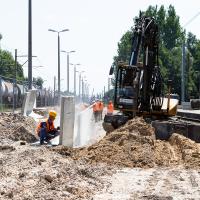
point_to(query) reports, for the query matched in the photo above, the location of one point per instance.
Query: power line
(192, 19)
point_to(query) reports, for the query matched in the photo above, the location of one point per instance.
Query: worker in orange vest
(46, 130)
(98, 109)
(110, 108)
(95, 111)
(101, 106)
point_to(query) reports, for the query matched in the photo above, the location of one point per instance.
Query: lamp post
(68, 52)
(30, 81)
(30, 45)
(75, 77)
(84, 82)
(183, 61)
(58, 32)
(80, 72)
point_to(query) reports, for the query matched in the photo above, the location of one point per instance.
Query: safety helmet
(52, 113)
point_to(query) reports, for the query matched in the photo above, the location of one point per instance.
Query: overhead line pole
(183, 62)
(30, 45)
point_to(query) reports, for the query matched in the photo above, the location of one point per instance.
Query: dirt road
(155, 184)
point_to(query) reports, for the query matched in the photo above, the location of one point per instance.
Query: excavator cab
(125, 93)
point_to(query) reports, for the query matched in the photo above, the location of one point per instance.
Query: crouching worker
(46, 130)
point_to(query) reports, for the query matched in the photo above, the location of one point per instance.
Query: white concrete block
(67, 121)
(86, 131)
(29, 102)
(186, 105)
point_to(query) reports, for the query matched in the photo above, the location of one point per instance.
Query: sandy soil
(126, 164)
(134, 145)
(174, 183)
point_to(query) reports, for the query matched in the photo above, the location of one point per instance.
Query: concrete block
(29, 102)
(86, 131)
(186, 105)
(67, 116)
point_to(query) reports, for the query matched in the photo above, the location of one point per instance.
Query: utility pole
(30, 45)
(79, 86)
(82, 89)
(183, 73)
(68, 73)
(15, 82)
(75, 78)
(68, 52)
(183, 61)
(109, 84)
(15, 64)
(1, 97)
(54, 90)
(75, 81)
(104, 91)
(58, 67)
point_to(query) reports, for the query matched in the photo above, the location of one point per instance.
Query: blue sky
(96, 27)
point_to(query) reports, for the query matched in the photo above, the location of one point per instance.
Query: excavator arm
(138, 85)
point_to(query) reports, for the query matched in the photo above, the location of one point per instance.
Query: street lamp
(30, 44)
(183, 61)
(68, 52)
(58, 32)
(84, 81)
(80, 72)
(75, 77)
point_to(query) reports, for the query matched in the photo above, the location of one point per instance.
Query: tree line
(9, 70)
(172, 36)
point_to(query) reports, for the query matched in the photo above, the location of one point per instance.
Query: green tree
(172, 29)
(170, 52)
(7, 66)
(38, 82)
(124, 48)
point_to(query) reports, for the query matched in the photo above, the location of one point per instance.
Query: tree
(38, 82)
(124, 48)
(7, 66)
(172, 29)
(170, 54)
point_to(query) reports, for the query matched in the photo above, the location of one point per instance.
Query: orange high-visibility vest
(49, 127)
(98, 106)
(110, 108)
(94, 107)
(101, 106)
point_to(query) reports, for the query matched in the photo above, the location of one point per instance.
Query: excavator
(139, 88)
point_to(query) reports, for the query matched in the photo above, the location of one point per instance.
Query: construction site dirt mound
(134, 145)
(41, 111)
(42, 172)
(16, 127)
(28, 172)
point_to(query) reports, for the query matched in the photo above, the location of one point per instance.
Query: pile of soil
(36, 172)
(16, 127)
(39, 172)
(43, 112)
(134, 145)
(28, 172)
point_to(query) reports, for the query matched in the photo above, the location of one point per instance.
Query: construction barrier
(86, 131)
(29, 102)
(67, 113)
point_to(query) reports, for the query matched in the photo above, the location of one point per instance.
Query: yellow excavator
(138, 87)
